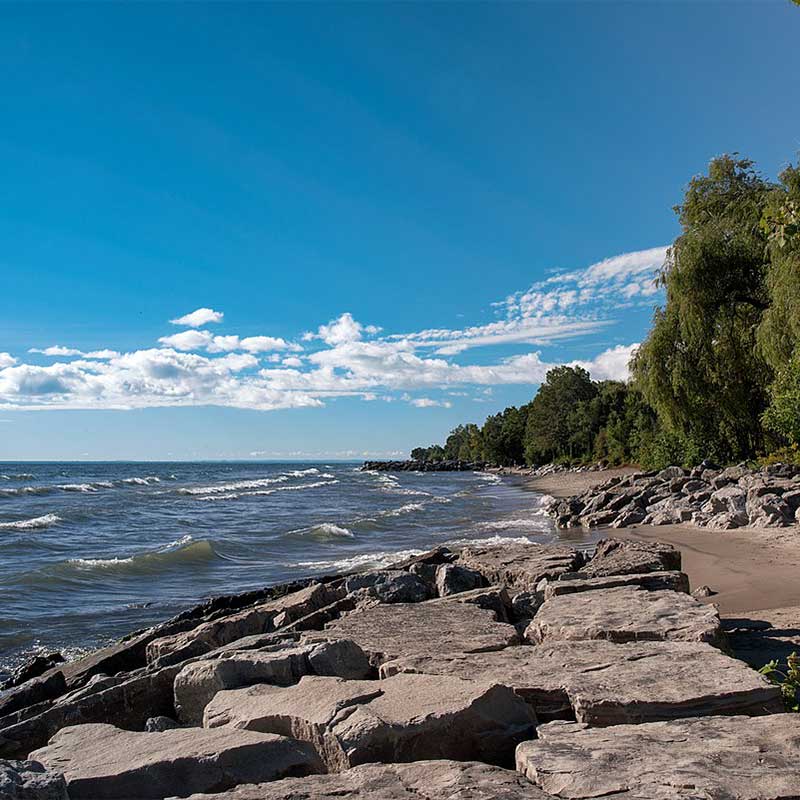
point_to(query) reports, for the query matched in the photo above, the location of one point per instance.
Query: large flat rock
(260, 618)
(439, 626)
(602, 683)
(128, 703)
(420, 780)
(521, 565)
(706, 758)
(403, 718)
(198, 682)
(628, 557)
(101, 762)
(652, 581)
(626, 614)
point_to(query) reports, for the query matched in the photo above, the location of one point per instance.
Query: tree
(700, 367)
(548, 430)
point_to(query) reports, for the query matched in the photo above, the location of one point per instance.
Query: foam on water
(35, 523)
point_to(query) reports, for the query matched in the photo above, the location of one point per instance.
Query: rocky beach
(575, 669)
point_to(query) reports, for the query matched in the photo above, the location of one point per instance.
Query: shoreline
(750, 568)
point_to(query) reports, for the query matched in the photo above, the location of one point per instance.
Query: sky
(338, 230)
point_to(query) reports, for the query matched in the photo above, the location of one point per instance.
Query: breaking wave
(236, 486)
(35, 523)
(263, 492)
(360, 561)
(324, 531)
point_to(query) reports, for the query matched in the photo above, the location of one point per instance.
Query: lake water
(92, 551)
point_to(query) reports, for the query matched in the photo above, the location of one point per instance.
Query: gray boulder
(626, 614)
(448, 625)
(602, 683)
(260, 618)
(198, 682)
(454, 578)
(128, 704)
(36, 690)
(101, 762)
(735, 758)
(403, 718)
(731, 499)
(630, 557)
(420, 780)
(390, 586)
(29, 780)
(521, 566)
(652, 581)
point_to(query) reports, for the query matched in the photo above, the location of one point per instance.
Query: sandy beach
(753, 571)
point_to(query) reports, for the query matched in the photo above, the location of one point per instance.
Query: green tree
(549, 430)
(700, 367)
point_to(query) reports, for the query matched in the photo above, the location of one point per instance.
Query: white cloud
(344, 357)
(199, 317)
(187, 341)
(341, 330)
(427, 402)
(66, 352)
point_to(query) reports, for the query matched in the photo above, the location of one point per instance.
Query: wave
(408, 508)
(26, 490)
(264, 492)
(221, 488)
(146, 481)
(35, 523)
(384, 559)
(21, 476)
(85, 488)
(491, 540)
(488, 477)
(324, 531)
(184, 551)
(299, 473)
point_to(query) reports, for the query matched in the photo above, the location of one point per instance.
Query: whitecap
(358, 562)
(35, 523)
(222, 488)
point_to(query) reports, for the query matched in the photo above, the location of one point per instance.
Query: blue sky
(398, 216)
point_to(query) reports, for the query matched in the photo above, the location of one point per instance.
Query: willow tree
(779, 333)
(700, 366)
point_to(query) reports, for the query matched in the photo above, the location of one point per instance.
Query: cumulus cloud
(187, 341)
(58, 350)
(344, 357)
(198, 318)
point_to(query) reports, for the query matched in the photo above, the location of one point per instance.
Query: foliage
(718, 375)
(788, 680)
(700, 367)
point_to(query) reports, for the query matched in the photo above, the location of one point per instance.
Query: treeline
(718, 375)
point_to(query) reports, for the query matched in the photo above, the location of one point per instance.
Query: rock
(521, 566)
(453, 578)
(261, 618)
(419, 780)
(128, 704)
(626, 614)
(33, 668)
(703, 591)
(630, 557)
(730, 498)
(491, 598)
(36, 690)
(403, 718)
(726, 521)
(652, 581)
(602, 683)
(198, 682)
(630, 515)
(768, 510)
(735, 758)
(101, 762)
(448, 626)
(160, 724)
(525, 604)
(670, 473)
(390, 586)
(29, 780)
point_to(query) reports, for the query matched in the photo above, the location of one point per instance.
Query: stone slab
(420, 780)
(626, 614)
(521, 566)
(101, 762)
(447, 625)
(602, 683)
(652, 581)
(706, 758)
(403, 718)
